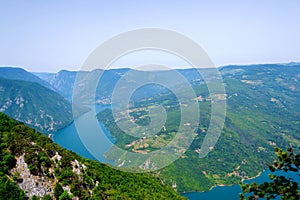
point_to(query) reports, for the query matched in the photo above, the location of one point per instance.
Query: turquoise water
(232, 192)
(69, 138)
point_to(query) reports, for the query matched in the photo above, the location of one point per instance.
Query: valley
(35, 167)
(149, 100)
(262, 112)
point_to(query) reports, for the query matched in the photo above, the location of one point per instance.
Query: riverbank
(220, 191)
(232, 192)
(225, 185)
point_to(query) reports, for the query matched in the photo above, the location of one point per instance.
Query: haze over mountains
(64, 80)
(262, 112)
(63, 83)
(15, 73)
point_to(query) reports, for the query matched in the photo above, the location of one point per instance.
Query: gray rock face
(35, 105)
(32, 185)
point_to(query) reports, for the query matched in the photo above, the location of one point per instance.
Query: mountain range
(262, 112)
(15, 73)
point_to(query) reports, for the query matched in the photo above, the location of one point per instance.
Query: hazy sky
(55, 34)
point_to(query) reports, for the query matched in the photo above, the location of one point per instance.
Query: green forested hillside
(35, 105)
(32, 165)
(263, 110)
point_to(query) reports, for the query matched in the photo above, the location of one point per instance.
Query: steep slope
(15, 73)
(35, 105)
(64, 80)
(263, 110)
(33, 163)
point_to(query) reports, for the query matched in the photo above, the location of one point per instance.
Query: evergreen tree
(58, 190)
(285, 187)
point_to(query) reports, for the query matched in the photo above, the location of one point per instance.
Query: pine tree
(283, 186)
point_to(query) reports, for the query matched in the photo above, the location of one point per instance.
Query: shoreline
(259, 173)
(224, 185)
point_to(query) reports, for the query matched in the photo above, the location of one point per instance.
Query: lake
(69, 138)
(232, 192)
(224, 192)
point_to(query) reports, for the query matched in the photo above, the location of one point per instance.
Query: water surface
(69, 138)
(232, 192)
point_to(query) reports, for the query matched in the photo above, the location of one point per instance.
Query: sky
(52, 35)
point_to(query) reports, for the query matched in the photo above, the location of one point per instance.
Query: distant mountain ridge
(63, 81)
(263, 111)
(16, 73)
